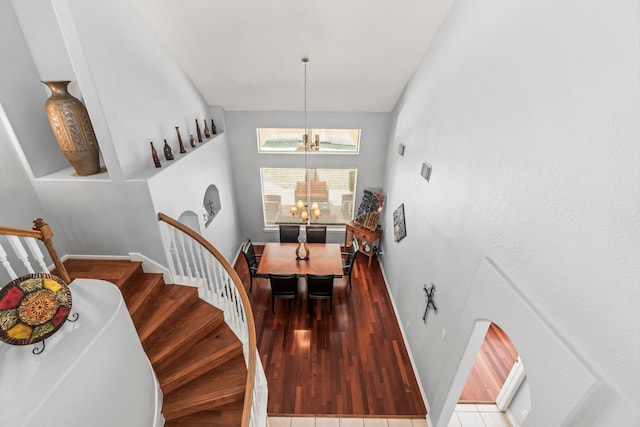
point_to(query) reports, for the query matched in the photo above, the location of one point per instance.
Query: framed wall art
(399, 228)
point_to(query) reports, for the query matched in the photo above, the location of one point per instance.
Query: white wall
(22, 118)
(23, 96)
(19, 204)
(528, 113)
(184, 189)
(246, 161)
(18, 200)
(134, 89)
(43, 36)
(135, 93)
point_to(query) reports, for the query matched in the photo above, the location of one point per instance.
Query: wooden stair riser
(147, 287)
(215, 349)
(221, 386)
(229, 415)
(174, 333)
(172, 300)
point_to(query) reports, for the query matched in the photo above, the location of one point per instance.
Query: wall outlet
(408, 324)
(443, 334)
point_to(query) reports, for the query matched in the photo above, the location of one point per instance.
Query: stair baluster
(176, 264)
(6, 264)
(21, 253)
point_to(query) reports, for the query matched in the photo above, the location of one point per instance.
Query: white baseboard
(512, 420)
(99, 257)
(406, 345)
(151, 266)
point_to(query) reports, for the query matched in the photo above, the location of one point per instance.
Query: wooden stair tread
(140, 289)
(215, 349)
(185, 328)
(169, 301)
(229, 415)
(114, 271)
(221, 386)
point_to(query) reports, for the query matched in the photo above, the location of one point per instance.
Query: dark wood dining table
(280, 258)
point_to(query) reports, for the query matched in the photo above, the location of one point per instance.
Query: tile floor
(344, 422)
(464, 416)
(478, 416)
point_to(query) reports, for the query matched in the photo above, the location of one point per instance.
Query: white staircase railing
(195, 261)
(20, 252)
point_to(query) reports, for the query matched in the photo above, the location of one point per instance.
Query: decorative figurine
(168, 154)
(192, 140)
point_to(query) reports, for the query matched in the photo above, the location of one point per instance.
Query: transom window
(278, 140)
(332, 190)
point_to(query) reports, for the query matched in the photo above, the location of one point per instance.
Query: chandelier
(304, 212)
(301, 208)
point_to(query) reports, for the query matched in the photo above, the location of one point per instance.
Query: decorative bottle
(182, 150)
(207, 133)
(168, 154)
(198, 131)
(213, 128)
(154, 154)
(192, 140)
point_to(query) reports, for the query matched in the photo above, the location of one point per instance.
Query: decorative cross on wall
(429, 294)
(210, 206)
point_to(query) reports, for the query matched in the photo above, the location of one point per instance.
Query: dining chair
(320, 286)
(253, 261)
(289, 233)
(349, 259)
(316, 234)
(283, 286)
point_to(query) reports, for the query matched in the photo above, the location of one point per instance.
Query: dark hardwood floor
(351, 361)
(491, 367)
(348, 362)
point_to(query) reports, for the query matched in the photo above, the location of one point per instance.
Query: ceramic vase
(72, 127)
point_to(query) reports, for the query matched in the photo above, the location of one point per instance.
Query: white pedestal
(93, 372)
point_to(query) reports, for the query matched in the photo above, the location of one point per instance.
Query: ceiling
(245, 55)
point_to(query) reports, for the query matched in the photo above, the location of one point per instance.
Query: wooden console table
(367, 239)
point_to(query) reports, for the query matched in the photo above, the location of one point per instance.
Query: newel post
(47, 235)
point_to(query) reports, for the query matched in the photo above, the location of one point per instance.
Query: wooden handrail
(251, 368)
(42, 232)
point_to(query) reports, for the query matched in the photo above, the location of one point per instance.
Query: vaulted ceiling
(246, 54)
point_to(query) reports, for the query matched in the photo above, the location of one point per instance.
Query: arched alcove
(496, 379)
(211, 204)
(190, 219)
(572, 391)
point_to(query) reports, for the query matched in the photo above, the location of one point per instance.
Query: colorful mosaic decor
(32, 308)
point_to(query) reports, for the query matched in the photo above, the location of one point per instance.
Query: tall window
(273, 140)
(331, 189)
